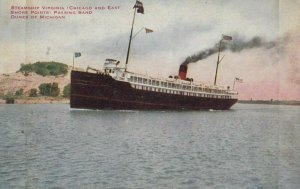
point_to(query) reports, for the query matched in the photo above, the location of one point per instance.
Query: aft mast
(138, 7)
(224, 37)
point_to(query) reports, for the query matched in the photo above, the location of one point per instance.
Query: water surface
(249, 146)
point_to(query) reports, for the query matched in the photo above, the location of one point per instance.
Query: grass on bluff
(44, 68)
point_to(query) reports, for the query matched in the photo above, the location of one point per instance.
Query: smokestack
(182, 71)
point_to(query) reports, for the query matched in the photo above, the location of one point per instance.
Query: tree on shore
(66, 91)
(19, 92)
(45, 68)
(49, 89)
(33, 93)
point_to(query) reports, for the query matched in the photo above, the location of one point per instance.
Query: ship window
(144, 81)
(134, 79)
(173, 85)
(169, 85)
(153, 82)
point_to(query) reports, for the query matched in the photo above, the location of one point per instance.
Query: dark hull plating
(99, 91)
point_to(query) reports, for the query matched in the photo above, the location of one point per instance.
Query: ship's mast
(130, 38)
(224, 37)
(218, 61)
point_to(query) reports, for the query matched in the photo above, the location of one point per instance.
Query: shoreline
(269, 102)
(39, 100)
(61, 100)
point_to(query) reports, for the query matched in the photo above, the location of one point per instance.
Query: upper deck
(172, 85)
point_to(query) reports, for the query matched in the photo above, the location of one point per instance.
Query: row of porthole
(179, 92)
(170, 85)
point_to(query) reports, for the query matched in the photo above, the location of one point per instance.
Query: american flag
(227, 37)
(139, 6)
(238, 79)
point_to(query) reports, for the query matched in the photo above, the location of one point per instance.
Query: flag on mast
(139, 6)
(238, 80)
(148, 30)
(77, 54)
(227, 37)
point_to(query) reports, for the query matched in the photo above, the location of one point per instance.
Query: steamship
(116, 88)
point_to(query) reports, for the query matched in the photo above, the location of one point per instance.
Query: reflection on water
(250, 146)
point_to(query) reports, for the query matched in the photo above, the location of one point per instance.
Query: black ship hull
(101, 91)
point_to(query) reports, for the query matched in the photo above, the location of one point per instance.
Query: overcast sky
(181, 28)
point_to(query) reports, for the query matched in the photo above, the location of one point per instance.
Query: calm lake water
(249, 146)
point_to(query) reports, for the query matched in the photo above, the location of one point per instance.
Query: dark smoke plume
(236, 45)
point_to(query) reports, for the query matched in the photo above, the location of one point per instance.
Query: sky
(181, 29)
